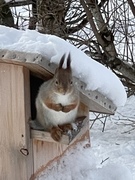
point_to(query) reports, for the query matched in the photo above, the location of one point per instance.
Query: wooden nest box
(26, 152)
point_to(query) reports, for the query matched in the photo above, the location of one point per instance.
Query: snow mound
(95, 75)
(81, 164)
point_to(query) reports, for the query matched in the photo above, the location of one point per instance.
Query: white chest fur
(59, 117)
(62, 99)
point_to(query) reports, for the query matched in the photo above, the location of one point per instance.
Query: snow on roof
(95, 75)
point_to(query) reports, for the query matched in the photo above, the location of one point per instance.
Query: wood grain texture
(14, 132)
(46, 136)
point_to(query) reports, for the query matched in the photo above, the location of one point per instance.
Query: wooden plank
(45, 136)
(27, 110)
(14, 113)
(44, 154)
(96, 101)
(29, 60)
(42, 66)
(66, 139)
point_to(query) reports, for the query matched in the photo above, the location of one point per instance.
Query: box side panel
(13, 131)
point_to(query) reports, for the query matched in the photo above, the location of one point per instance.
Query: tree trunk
(6, 17)
(51, 17)
(105, 39)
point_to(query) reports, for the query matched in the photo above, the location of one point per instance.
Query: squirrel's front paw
(68, 108)
(57, 107)
(56, 133)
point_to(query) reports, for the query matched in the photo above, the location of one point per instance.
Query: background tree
(6, 17)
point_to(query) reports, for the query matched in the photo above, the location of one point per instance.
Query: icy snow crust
(95, 75)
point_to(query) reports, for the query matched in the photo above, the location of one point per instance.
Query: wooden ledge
(46, 136)
(81, 124)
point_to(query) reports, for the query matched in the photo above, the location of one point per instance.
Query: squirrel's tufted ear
(61, 61)
(69, 61)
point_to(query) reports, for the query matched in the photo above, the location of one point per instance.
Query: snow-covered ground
(112, 152)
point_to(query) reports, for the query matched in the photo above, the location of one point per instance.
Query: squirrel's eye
(71, 82)
(56, 82)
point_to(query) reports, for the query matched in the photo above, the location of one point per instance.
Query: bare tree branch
(77, 28)
(132, 6)
(14, 3)
(107, 43)
(6, 17)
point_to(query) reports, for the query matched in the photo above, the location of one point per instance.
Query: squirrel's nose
(64, 88)
(64, 92)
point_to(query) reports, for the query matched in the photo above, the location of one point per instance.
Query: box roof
(42, 67)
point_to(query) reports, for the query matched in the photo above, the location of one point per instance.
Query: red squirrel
(57, 101)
